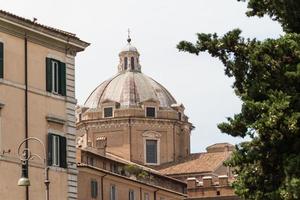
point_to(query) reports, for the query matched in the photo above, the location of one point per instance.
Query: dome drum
(138, 112)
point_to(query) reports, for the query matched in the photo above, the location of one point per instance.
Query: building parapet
(209, 186)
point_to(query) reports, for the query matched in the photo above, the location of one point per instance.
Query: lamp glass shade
(24, 181)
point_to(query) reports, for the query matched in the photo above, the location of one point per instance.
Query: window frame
(56, 77)
(132, 66)
(146, 111)
(113, 192)
(179, 116)
(94, 188)
(146, 196)
(57, 150)
(157, 151)
(131, 194)
(125, 63)
(112, 112)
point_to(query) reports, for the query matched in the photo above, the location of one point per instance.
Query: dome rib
(130, 89)
(163, 88)
(108, 82)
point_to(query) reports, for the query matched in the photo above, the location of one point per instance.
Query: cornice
(43, 39)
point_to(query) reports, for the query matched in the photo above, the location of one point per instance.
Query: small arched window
(125, 63)
(132, 63)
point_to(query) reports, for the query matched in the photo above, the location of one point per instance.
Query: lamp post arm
(28, 155)
(25, 155)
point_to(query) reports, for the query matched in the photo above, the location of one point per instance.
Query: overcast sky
(156, 27)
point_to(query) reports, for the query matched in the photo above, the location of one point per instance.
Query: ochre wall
(12, 128)
(123, 186)
(126, 137)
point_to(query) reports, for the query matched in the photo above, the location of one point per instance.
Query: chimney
(101, 143)
(191, 183)
(207, 181)
(223, 180)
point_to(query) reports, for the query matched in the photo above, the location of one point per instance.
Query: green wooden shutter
(50, 156)
(48, 75)
(62, 79)
(63, 152)
(1, 60)
(96, 189)
(92, 189)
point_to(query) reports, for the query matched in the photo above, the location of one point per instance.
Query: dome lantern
(129, 58)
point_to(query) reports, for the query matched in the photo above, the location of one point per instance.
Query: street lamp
(25, 155)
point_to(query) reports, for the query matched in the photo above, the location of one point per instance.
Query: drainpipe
(174, 148)
(141, 194)
(26, 108)
(102, 190)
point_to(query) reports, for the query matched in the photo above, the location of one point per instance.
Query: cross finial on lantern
(128, 39)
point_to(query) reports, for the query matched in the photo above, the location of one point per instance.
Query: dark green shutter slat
(50, 156)
(62, 79)
(1, 60)
(92, 189)
(63, 152)
(96, 189)
(48, 75)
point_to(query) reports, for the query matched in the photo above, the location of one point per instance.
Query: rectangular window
(131, 195)
(94, 189)
(179, 116)
(151, 151)
(90, 160)
(1, 60)
(57, 152)
(108, 112)
(150, 112)
(113, 192)
(55, 76)
(146, 196)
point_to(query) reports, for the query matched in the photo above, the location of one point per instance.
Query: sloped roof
(39, 27)
(118, 159)
(196, 163)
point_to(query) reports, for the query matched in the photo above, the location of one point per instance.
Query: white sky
(156, 27)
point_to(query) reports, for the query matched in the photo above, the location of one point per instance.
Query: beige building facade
(37, 99)
(105, 176)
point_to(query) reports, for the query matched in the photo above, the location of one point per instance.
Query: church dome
(129, 47)
(130, 87)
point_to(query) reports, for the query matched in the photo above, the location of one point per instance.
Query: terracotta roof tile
(37, 26)
(196, 163)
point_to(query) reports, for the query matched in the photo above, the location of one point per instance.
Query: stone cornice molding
(151, 134)
(55, 119)
(124, 122)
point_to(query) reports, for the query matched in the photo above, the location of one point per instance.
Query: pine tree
(267, 80)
